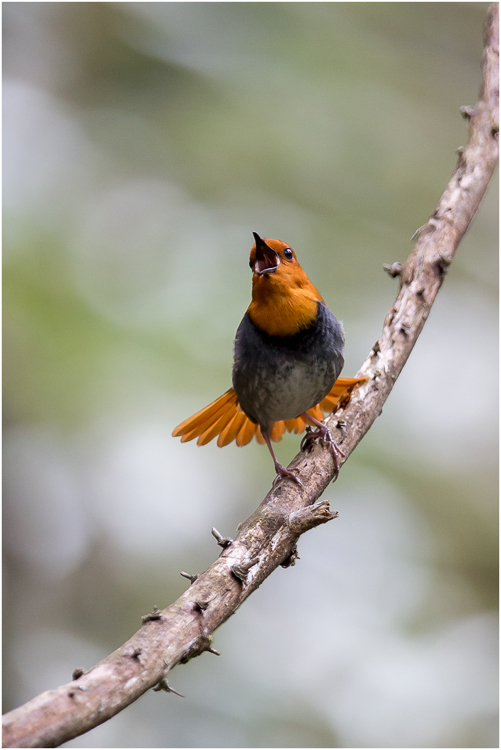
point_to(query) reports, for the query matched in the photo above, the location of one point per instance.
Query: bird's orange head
(284, 300)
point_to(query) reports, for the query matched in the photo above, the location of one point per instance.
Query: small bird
(287, 359)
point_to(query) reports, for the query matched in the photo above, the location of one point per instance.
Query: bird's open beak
(267, 259)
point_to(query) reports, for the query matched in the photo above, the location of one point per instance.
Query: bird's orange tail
(225, 418)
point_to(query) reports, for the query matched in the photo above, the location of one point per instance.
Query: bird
(288, 355)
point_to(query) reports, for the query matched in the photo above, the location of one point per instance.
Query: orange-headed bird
(287, 360)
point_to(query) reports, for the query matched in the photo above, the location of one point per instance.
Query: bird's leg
(281, 470)
(323, 436)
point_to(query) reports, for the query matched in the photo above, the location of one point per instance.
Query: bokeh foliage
(143, 142)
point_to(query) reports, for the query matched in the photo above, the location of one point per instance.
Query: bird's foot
(324, 437)
(283, 472)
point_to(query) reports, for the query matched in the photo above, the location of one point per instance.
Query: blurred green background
(143, 143)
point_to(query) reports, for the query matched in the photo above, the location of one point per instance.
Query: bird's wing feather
(199, 422)
(232, 429)
(216, 426)
(277, 431)
(342, 387)
(224, 418)
(246, 432)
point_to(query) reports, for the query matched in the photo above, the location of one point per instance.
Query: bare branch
(268, 538)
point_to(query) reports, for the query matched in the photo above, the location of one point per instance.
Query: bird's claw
(324, 437)
(283, 472)
(309, 439)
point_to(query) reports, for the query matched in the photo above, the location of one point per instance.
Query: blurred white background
(143, 143)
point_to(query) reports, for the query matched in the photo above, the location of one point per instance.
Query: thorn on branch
(223, 541)
(467, 112)
(198, 646)
(134, 653)
(191, 578)
(418, 231)
(420, 293)
(156, 614)
(443, 265)
(460, 153)
(78, 672)
(393, 270)
(290, 560)
(213, 651)
(240, 570)
(164, 685)
(310, 516)
(201, 604)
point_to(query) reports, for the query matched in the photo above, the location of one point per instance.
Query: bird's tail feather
(224, 418)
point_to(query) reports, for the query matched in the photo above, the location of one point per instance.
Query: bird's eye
(251, 264)
(288, 254)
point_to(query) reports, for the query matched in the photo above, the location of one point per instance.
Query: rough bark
(268, 538)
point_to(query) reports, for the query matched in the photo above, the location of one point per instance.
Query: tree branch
(268, 538)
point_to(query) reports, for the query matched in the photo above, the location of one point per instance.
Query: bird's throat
(283, 312)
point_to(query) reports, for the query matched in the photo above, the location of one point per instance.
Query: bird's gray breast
(279, 378)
